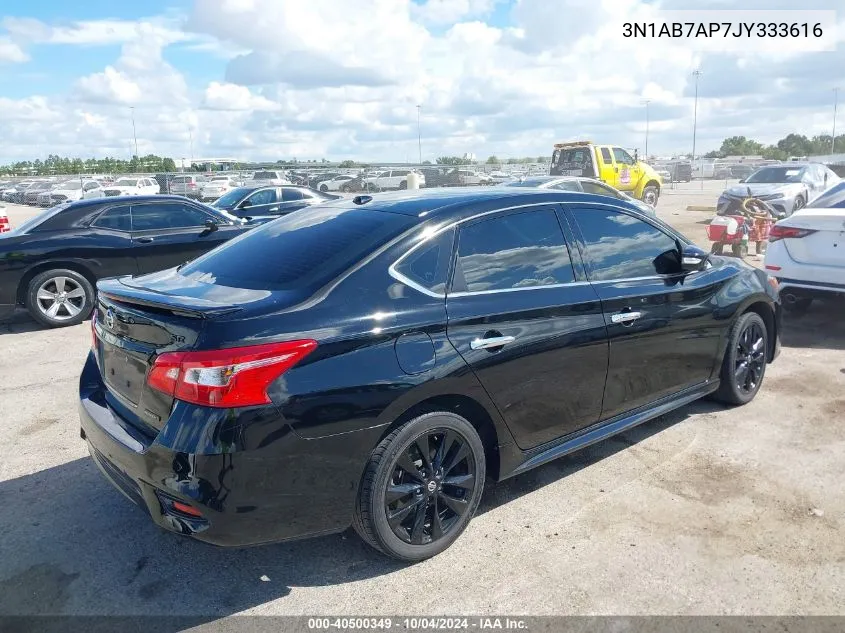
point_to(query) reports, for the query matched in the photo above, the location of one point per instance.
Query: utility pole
(835, 104)
(134, 135)
(419, 136)
(696, 73)
(647, 101)
(191, 139)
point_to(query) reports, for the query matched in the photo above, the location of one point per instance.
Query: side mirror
(742, 180)
(211, 226)
(693, 258)
(245, 204)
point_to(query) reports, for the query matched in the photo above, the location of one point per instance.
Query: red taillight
(4, 224)
(234, 377)
(184, 508)
(780, 232)
(770, 267)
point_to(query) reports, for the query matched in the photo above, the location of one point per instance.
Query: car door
(663, 325)
(524, 318)
(627, 171)
(109, 243)
(169, 233)
(293, 199)
(262, 202)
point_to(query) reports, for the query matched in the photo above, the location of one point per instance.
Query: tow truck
(611, 164)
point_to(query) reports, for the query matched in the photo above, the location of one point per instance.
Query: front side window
(605, 156)
(116, 219)
(620, 246)
(265, 196)
(428, 265)
(148, 217)
(512, 251)
(622, 156)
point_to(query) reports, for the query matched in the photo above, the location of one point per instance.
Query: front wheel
(61, 297)
(799, 204)
(324, 188)
(744, 364)
(650, 195)
(421, 487)
(740, 250)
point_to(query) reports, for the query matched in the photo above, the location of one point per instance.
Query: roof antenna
(361, 199)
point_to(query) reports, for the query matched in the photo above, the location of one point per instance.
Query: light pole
(835, 104)
(697, 74)
(134, 135)
(647, 101)
(191, 139)
(419, 136)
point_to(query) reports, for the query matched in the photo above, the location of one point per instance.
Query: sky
(342, 79)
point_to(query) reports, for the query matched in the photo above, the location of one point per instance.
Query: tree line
(59, 165)
(790, 145)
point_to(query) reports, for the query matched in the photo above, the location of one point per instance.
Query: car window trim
(391, 270)
(106, 209)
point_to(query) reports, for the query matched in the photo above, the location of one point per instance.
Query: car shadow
(19, 322)
(73, 545)
(821, 327)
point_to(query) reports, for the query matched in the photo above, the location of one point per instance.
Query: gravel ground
(704, 511)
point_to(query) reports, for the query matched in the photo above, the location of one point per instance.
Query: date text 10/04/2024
(417, 623)
(761, 30)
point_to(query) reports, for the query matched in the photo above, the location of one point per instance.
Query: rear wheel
(421, 487)
(717, 248)
(744, 364)
(324, 188)
(403, 184)
(739, 250)
(61, 297)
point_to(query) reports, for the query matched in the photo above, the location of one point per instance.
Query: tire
(324, 188)
(73, 307)
(798, 307)
(717, 248)
(739, 250)
(798, 204)
(650, 196)
(420, 490)
(403, 184)
(748, 346)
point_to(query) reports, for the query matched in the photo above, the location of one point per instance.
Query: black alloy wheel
(745, 360)
(430, 487)
(421, 487)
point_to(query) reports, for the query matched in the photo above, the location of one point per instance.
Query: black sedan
(373, 361)
(269, 201)
(51, 262)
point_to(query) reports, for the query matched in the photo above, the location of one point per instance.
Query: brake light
(4, 223)
(780, 232)
(234, 377)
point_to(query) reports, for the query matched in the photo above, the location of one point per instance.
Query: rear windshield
(33, 222)
(264, 175)
(303, 249)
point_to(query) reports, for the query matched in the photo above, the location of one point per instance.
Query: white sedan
(806, 251)
(335, 183)
(216, 187)
(132, 187)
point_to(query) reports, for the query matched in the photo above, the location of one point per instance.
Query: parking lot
(706, 510)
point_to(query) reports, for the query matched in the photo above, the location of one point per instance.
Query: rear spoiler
(115, 289)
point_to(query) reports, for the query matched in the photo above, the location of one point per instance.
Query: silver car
(582, 184)
(786, 187)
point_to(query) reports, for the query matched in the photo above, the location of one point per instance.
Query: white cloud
(306, 79)
(223, 96)
(11, 52)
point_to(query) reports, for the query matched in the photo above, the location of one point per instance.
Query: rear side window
(289, 195)
(428, 265)
(519, 250)
(620, 246)
(116, 219)
(303, 249)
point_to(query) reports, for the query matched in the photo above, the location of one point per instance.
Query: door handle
(491, 341)
(625, 317)
(145, 240)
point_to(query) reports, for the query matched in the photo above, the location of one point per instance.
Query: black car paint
(68, 240)
(388, 352)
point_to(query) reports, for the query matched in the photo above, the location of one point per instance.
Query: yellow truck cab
(610, 164)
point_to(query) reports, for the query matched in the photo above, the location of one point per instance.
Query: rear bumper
(797, 276)
(271, 486)
(809, 288)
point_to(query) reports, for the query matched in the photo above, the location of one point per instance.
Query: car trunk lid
(133, 325)
(826, 245)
